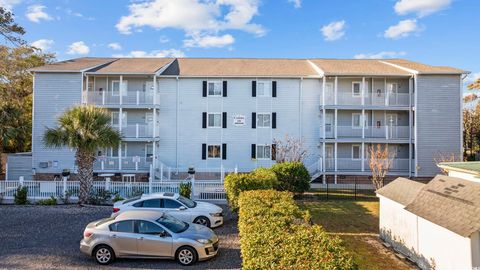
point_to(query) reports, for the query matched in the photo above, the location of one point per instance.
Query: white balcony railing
(381, 132)
(346, 98)
(398, 165)
(134, 163)
(136, 130)
(128, 98)
(349, 164)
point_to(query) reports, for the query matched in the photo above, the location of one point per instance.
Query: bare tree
(380, 164)
(445, 157)
(289, 149)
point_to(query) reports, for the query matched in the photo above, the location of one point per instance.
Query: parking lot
(47, 237)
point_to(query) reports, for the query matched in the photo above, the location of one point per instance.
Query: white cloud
(158, 53)
(200, 18)
(420, 7)
(8, 4)
(296, 3)
(78, 15)
(333, 30)
(115, 46)
(380, 55)
(402, 29)
(43, 44)
(78, 47)
(209, 41)
(36, 13)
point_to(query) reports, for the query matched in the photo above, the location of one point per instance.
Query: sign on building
(239, 120)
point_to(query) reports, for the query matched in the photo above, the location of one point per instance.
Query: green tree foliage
(11, 31)
(84, 129)
(292, 176)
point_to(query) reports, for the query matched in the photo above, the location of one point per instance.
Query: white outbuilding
(435, 225)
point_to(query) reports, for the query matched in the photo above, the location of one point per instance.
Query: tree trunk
(85, 174)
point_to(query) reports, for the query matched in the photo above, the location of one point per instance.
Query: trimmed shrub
(185, 189)
(276, 234)
(65, 198)
(51, 201)
(292, 176)
(100, 197)
(20, 196)
(260, 178)
(117, 198)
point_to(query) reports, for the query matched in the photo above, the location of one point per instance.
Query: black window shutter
(274, 89)
(224, 88)
(274, 152)
(204, 89)
(254, 120)
(224, 120)
(204, 120)
(274, 120)
(204, 151)
(254, 151)
(254, 88)
(224, 151)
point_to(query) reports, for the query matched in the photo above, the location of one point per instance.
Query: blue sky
(438, 32)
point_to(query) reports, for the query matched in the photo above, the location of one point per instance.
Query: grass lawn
(356, 222)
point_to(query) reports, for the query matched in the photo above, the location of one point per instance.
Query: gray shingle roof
(401, 190)
(74, 65)
(450, 202)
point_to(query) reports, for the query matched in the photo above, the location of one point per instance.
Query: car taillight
(115, 210)
(87, 234)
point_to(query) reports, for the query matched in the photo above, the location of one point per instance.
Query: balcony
(124, 163)
(133, 98)
(137, 130)
(355, 165)
(346, 98)
(381, 132)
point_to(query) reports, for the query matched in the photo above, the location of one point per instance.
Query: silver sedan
(148, 234)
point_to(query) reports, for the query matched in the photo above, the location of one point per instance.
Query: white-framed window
(117, 88)
(263, 89)
(263, 120)
(113, 152)
(115, 119)
(149, 151)
(214, 120)
(215, 88)
(357, 120)
(357, 89)
(214, 151)
(392, 88)
(328, 87)
(356, 151)
(264, 151)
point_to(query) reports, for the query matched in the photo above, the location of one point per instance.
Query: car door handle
(114, 236)
(141, 238)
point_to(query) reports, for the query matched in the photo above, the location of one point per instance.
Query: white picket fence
(202, 190)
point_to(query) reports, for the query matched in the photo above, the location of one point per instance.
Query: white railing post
(222, 173)
(169, 173)
(102, 164)
(120, 90)
(20, 180)
(193, 186)
(103, 97)
(107, 183)
(136, 165)
(150, 188)
(136, 130)
(236, 168)
(386, 131)
(138, 98)
(161, 171)
(64, 186)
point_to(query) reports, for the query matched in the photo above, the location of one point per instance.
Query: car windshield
(173, 224)
(189, 203)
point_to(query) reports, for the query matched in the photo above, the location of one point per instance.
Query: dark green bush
(65, 198)
(20, 196)
(260, 178)
(117, 198)
(99, 197)
(276, 234)
(51, 201)
(186, 189)
(292, 176)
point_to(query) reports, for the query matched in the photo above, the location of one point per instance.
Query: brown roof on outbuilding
(241, 67)
(424, 68)
(450, 202)
(74, 65)
(401, 190)
(134, 66)
(358, 67)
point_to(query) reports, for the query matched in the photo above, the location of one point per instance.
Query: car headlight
(216, 214)
(203, 241)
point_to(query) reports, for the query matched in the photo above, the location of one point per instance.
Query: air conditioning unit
(43, 165)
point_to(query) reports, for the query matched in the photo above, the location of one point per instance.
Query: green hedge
(276, 234)
(292, 176)
(260, 178)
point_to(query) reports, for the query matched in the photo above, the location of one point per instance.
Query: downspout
(176, 126)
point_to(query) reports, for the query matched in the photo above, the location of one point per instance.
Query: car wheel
(202, 221)
(186, 256)
(104, 254)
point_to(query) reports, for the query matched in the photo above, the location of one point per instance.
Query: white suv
(182, 208)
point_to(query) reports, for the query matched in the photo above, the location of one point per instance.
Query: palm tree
(85, 129)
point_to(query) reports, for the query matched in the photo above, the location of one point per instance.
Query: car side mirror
(182, 208)
(162, 234)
